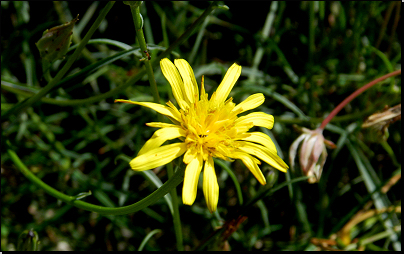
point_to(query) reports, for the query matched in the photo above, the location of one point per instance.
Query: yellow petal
(160, 125)
(161, 136)
(203, 96)
(262, 139)
(224, 149)
(175, 111)
(173, 76)
(164, 110)
(251, 102)
(264, 154)
(223, 91)
(191, 180)
(210, 186)
(257, 119)
(189, 155)
(251, 165)
(190, 86)
(158, 156)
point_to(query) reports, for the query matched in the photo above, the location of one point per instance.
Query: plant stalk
(354, 95)
(138, 21)
(174, 181)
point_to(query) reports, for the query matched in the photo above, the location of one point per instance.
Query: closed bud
(312, 153)
(28, 241)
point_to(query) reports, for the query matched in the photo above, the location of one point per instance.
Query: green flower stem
(354, 95)
(21, 106)
(138, 21)
(174, 181)
(176, 215)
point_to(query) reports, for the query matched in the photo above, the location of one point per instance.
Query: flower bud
(312, 154)
(28, 241)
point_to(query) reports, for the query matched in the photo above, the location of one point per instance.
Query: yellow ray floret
(188, 78)
(223, 91)
(158, 156)
(257, 119)
(164, 110)
(251, 102)
(210, 185)
(161, 136)
(191, 177)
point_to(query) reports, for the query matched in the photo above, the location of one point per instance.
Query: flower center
(210, 131)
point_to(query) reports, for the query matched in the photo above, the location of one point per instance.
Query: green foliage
(305, 57)
(55, 42)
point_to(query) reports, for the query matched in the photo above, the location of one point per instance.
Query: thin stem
(353, 96)
(176, 215)
(22, 105)
(138, 21)
(174, 181)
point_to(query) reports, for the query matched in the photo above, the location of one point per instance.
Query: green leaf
(55, 42)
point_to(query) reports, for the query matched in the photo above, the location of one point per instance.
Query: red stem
(354, 94)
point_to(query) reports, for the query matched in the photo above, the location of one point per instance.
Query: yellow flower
(207, 128)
